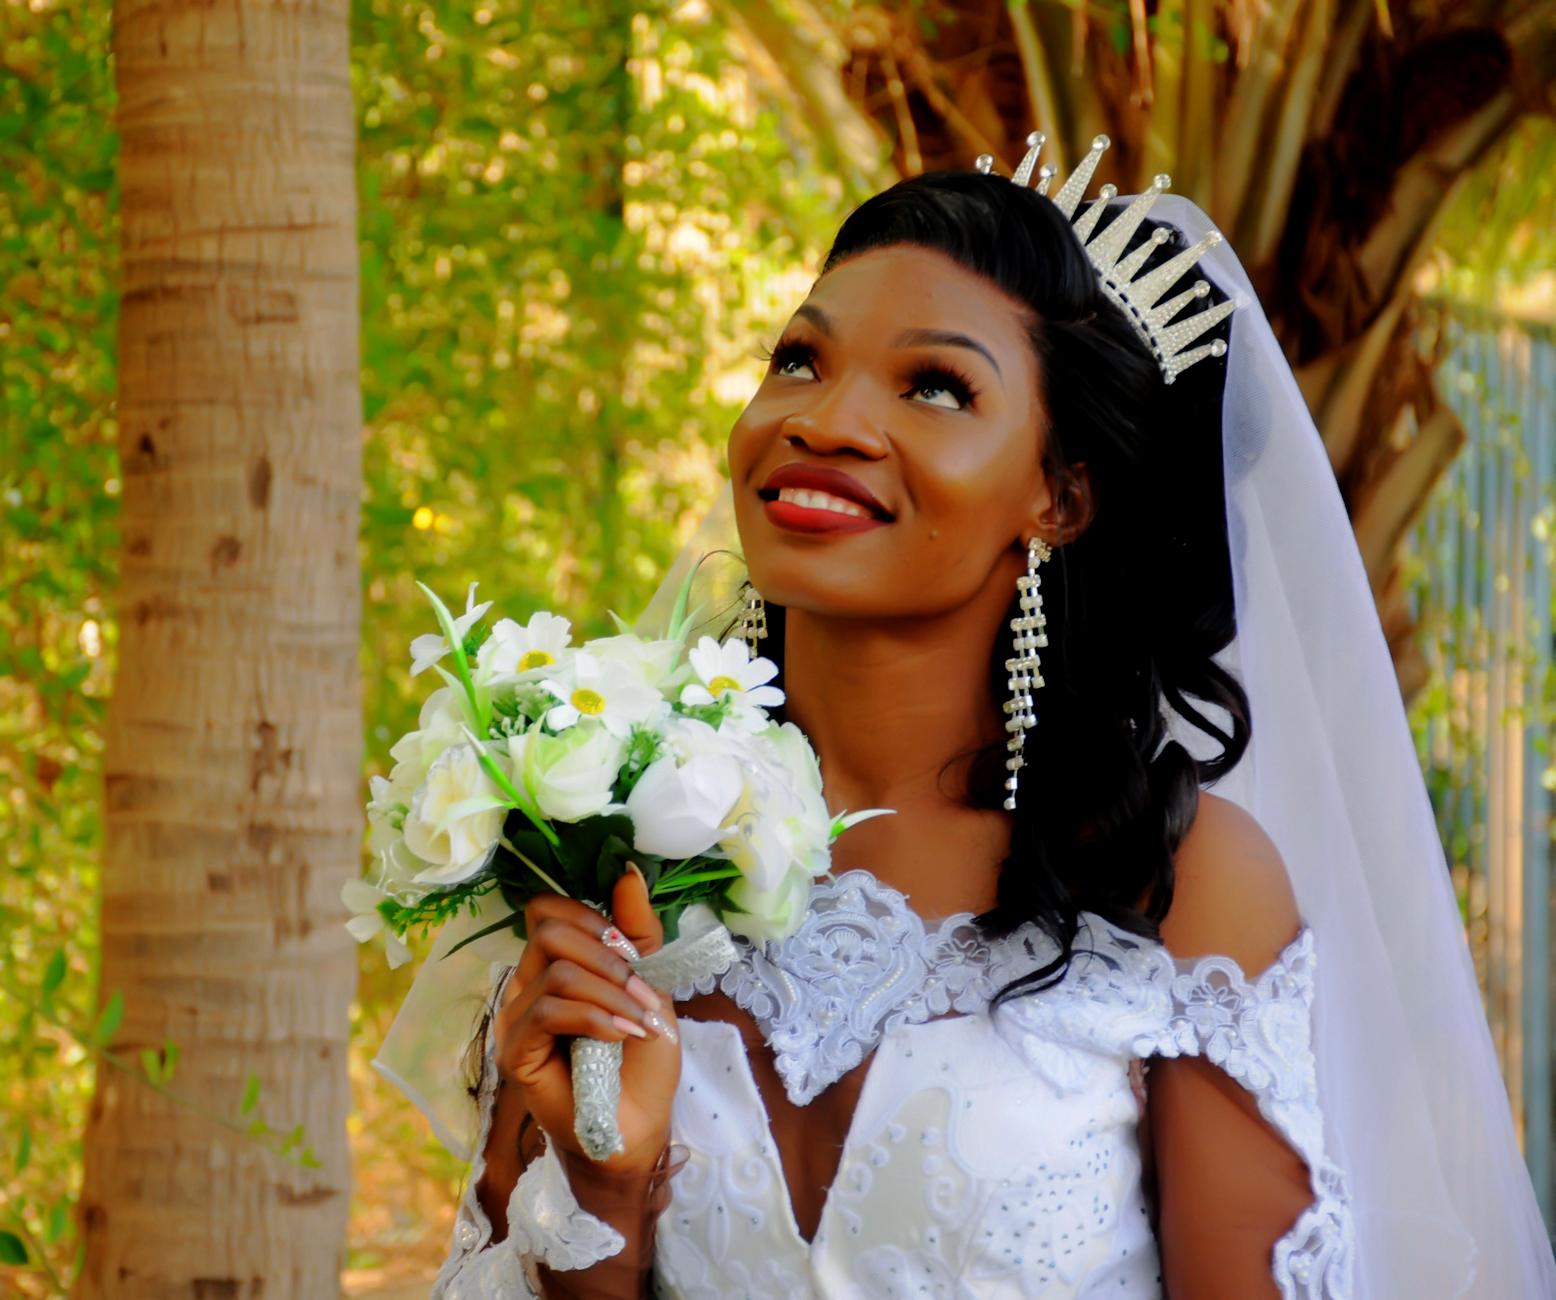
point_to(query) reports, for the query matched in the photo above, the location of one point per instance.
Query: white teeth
(822, 501)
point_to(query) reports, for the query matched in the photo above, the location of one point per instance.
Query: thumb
(634, 913)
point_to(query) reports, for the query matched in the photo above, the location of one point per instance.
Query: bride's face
(890, 464)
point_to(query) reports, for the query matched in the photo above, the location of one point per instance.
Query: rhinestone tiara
(1138, 298)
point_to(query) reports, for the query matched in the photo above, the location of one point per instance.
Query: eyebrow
(946, 339)
(816, 317)
(908, 338)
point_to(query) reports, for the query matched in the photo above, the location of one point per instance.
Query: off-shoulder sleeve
(1260, 1033)
(546, 1225)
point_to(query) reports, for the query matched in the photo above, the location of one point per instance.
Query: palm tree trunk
(234, 732)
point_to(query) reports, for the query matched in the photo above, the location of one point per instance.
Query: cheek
(977, 484)
(745, 440)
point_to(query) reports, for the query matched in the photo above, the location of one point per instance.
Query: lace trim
(862, 965)
(1260, 1033)
(704, 951)
(545, 1221)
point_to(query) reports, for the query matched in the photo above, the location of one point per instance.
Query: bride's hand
(570, 984)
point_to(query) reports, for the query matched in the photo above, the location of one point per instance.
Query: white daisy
(609, 691)
(728, 673)
(512, 649)
(427, 650)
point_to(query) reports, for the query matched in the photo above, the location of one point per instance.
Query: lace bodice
(991, 1155)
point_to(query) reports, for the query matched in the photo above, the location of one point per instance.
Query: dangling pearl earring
(1025, 670)
(751, 627)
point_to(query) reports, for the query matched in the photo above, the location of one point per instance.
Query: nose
(844, 421)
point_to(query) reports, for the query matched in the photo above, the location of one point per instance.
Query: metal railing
(1482, 591)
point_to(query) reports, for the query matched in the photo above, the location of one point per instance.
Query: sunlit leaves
(1498, 240)
(58, 550)
(579, 223)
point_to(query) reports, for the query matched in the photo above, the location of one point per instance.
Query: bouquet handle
(704, 951)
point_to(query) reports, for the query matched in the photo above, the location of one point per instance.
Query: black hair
(1138, 604)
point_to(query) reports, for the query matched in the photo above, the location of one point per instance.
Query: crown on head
(1138, 296)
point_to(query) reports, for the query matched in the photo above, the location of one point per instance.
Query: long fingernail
(618, 943)
(638, 872)
(627, 1027)
(640, 993)
(661, 1026)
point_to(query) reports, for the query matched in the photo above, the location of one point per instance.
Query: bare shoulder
(1233, 897)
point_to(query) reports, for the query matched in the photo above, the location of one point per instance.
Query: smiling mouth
(817, 499)
(813, 500)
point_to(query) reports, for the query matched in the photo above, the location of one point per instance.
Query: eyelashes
(788, 352)
(934, 384)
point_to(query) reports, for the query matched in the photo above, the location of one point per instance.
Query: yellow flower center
(587, 701)
(723, 684)
(536, 659)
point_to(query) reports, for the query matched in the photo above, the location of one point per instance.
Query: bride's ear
(1066, 508)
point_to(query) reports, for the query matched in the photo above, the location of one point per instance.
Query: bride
(1068, 1023)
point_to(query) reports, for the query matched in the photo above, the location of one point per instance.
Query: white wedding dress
(1034, 1187)
(992, 1155)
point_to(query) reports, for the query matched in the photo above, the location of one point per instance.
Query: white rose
(569, 776)
(769, 915)
(455, 818)
(679, 808)
(438, 728)
(810, 822)
(760, 841)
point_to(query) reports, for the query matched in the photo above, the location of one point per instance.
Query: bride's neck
(888, 705)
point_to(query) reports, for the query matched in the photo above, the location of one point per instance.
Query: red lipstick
(809, 499)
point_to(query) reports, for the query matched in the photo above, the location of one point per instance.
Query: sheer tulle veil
(1416, 1112)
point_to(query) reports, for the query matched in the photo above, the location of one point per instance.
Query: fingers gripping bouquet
(541, 767)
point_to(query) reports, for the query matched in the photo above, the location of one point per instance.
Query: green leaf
(11, 1249)
(678, 883)
(109, 1021)
(54, 972)
(308, 1160)
(250, 1095)
(514, 919)
(455, 644)
(580, 844)
(258, 1129)
(292, 1139)
(23, 1149)
(151, 1065)
(615, 852)
(520, 799)
(59, 1216)
(169, 1060)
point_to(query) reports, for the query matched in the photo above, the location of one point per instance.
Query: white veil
(1415, 1110)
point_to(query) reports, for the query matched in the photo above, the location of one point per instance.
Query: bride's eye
(794, 361)
(937, 386)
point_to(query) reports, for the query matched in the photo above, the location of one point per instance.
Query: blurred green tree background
(579, 224)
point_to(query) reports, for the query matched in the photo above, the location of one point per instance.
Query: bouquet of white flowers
(540, 767)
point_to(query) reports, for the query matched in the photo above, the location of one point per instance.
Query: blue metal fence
(1482, 592)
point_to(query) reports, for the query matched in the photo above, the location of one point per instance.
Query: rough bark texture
(1325, 137)
(234, 733)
